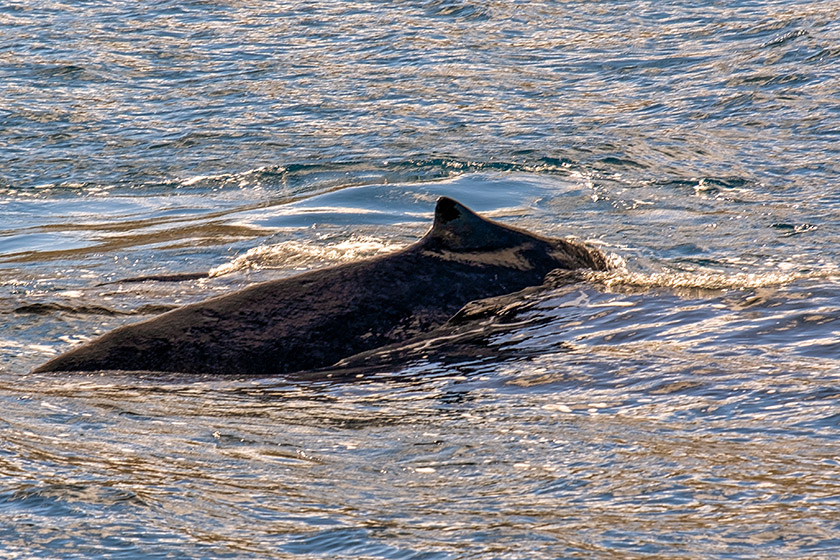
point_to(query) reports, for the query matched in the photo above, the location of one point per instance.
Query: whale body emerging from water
(313, 320)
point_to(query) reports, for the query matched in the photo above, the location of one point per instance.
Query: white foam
(694, 280)
(306, 254)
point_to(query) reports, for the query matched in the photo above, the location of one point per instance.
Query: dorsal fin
(458, 228)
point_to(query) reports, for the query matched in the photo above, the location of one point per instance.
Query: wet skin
(318, 318)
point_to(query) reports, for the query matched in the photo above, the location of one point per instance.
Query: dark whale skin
(315, 319)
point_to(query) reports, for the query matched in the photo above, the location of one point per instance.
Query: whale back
(457, 229)
(317, 318)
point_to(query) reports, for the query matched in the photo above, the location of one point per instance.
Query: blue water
(684, 405)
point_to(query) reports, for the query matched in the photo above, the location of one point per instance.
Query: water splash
(712, 281)
(302, 255)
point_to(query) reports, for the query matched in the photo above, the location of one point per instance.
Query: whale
(313, 320)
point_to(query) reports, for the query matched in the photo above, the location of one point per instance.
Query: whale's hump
(317, 318)
(458, 228)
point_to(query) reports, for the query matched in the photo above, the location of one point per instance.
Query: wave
(297, 255)
(49, 308)
(713, 281)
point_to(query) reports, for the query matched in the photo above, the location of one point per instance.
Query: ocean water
(684, 405)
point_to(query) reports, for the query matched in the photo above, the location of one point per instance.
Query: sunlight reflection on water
(684, 404)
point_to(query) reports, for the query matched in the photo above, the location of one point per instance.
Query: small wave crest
(50, 308)
(713, 281)
(298, 255)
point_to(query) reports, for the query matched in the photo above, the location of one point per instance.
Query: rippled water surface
(683, 405)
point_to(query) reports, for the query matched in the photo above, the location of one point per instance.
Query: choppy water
(684, 406)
